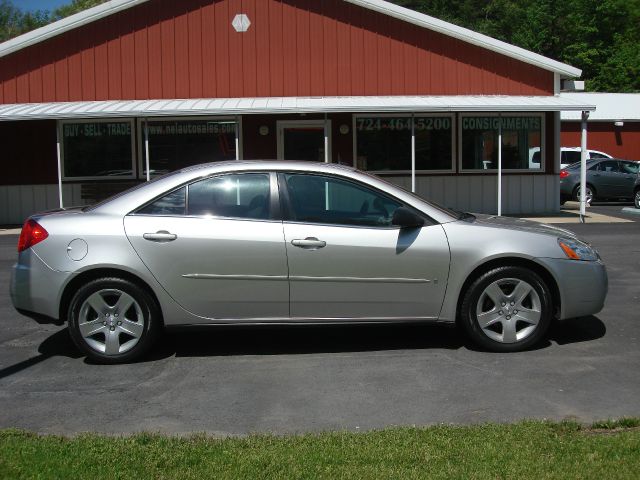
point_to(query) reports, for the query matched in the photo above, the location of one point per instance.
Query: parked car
(568, 155)
(269, 242)
(607, 179)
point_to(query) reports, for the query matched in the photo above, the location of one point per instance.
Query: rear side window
(234, 196)
(171, 204)
(596, 155)
(609, 166)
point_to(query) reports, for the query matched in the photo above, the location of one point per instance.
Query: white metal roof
(381, 6)
(283, 105)
(610, 106)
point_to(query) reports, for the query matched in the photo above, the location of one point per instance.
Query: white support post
(59, 155)
(326, 140)
(146, 149)
(237, 138)
(583, 167)
(413, 154)
(499, 165)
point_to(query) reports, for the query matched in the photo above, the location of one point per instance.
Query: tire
(113, 320)
(507, 309)
(590, 193)
(636, 199)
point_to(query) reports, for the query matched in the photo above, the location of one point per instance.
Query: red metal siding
(620, 142)
(188, 49)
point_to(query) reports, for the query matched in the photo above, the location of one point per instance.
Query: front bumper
(583, 286)
(35, 287)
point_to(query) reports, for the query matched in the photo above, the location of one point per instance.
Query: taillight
(564, 174)
(32, 234)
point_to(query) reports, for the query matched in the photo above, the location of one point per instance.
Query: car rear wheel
(590, 193)
(636, 199)
(507, 309)
(113, 320)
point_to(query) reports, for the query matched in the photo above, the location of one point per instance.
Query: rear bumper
(35, 287)
(583, 286)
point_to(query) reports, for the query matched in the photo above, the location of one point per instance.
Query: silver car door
(216, 247)
(347, 261)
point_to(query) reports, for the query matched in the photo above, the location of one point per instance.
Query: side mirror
(405, 218)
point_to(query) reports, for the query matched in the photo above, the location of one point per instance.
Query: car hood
(519, 224)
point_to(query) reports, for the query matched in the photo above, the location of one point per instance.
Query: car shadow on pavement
(305, 339)
(576, 330)
(301, 340)
(57, 345)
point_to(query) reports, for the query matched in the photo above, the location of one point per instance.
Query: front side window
(630, 167)
(177, 144)
(521, 139)
(329, 200)
(384, 143)
(97, 149)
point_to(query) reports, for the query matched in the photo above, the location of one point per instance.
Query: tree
(14, 21)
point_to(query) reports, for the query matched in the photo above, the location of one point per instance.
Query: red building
(614, 127)
(132, 88)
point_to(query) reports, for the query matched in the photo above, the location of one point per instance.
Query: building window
(97, 149)
(383, 143)
(522, 138)
(179, 143)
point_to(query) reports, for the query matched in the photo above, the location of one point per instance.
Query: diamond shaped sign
(241, 22)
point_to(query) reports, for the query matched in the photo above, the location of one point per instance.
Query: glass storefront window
(175, 144)
(384, 143)
(434, 143)
(521, 142)
(97, 149)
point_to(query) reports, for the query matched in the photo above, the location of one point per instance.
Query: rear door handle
(310, 243)
(160, 236)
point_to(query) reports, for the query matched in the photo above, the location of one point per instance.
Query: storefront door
(303, 140)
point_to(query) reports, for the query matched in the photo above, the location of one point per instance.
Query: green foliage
(14, 21)
(602, 38)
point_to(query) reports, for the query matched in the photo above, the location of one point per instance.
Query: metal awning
(288, 105)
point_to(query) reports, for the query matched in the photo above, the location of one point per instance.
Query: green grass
(537, 450)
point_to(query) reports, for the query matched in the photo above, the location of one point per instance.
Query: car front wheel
(113, 320)
(507, 309)
(636, 199)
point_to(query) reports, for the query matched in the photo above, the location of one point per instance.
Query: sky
(30, 5)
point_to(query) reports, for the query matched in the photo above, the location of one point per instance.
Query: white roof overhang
(386, 8)
(610, 106)
(288, 105)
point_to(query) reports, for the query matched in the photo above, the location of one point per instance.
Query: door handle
(310, 243)
(160, 236)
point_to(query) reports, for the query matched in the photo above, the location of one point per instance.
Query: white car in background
(568, 155)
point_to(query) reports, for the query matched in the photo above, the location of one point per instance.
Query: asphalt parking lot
(298, 379)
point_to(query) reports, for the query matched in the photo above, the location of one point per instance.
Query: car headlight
(577, 250)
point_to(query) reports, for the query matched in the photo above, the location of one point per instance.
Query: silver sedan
(294, 242)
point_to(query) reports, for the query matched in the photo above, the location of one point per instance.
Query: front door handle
(310, 243)
(160, 236)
